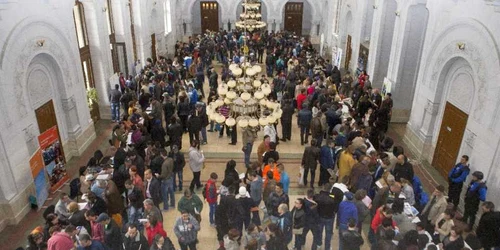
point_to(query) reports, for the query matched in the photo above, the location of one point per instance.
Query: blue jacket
(347, 209)
(304, 117)
(285, 180)
(478, 187)
(459, 173)
(326, 158)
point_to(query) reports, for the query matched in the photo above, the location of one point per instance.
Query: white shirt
(271, 132)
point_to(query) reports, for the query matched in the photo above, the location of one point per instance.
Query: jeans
(269, 69)
(212, 207)
(167, 189)
(319, 141)
(115, 111)
(185, 246)
(204, 134)
(299, 241)
(178, 174)
(195, 181)
(304, 134)
(313, 175)
(327, 224)
(134, 215)
(248, 152)
(342, 228)
(194, 136)
(316, 236)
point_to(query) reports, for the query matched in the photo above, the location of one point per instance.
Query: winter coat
(316, 127)
(138, 242)
(352, 239)
(190, 205)
(436, 209)
(311, 157)
(347, 210)
(304, 117)
(196, 159)
(274, 201)
(488, 230)
(285, 223)
(327, 160)
(299, 218)
(185, 234)
(112, 236)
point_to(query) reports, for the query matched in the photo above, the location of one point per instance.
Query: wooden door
(46, 119)
(348, 52)
(209, 16)
(293, 17)
(153, 47)
(450, 138)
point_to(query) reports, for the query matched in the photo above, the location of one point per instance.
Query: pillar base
(400, 115)
(14, 210)
(423, 149)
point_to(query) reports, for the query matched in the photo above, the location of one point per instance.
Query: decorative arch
(190, 7)
(444, 49)
(314, 14)
(31, 37)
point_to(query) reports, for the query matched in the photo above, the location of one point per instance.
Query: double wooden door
(294, 13)
(450, 138)
(348, 52)
(46, 118)
(153, 47)
(209, 16)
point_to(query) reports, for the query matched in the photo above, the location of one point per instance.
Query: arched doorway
(297, 17)
(381, 63)
(206, 15)
(457, 76)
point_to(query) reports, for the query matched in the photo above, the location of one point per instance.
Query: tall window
(111, 33)
(167, 16)
(132, 29)
(83, 44)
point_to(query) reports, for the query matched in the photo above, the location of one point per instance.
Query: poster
(38, 173)
(53, 158)
(387, 87)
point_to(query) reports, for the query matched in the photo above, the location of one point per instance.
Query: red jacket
(300, 99)
(97, 231)
(60, 240)
(377, 220)
(153, 231)
(211, 192)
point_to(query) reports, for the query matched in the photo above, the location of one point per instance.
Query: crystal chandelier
(250, 19)
(246, 95)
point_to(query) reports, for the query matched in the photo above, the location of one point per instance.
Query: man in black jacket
(304, 121)
(286, 120)
(403, 169)
(312, 219)
(175, 132)
(152, 187)
(326, 211)
(112, 234)
(134, 240)
(179, 163)
(350, 238)
(134, 199)
(488, 230)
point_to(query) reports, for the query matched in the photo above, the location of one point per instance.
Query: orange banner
(36, 163)
(48, 137)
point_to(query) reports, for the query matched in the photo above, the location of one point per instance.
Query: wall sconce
(375, 7)
(104, 9)
(461, 46)
(397, 13)
(39, 43)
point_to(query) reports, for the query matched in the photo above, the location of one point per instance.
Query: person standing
(488, 230)
(435, 207)
(114, 99)
(256, 194)
(249, 136)
(311, 220)
(166, 177)
(286, 120)
(310, 160)
(112, 234)
(196, 162)
(476, 192)
(152, 187)
(347, 211)
(210, 195)
(179, 163)
(327, 161)
(456, 179)
(304, 121)
(134, 239)
(326, 212)
(351, 239)
(275, 199)
(299, 221)
(191, 203)
(186, 229)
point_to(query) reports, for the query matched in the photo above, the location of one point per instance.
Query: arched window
(167, 16)
(83, 44)
(111, 32)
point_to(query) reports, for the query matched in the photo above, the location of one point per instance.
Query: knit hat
(89, 177)
(242, 192)
(102, 217)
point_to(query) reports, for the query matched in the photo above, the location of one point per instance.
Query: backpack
(204, 191)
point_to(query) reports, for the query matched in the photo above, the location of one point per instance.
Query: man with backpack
(210, 195)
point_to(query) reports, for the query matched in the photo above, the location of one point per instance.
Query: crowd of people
(343, 122)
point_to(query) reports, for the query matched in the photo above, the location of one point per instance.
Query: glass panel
(78, 25)
(86, 75)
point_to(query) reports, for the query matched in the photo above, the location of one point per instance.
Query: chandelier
(251, 17)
